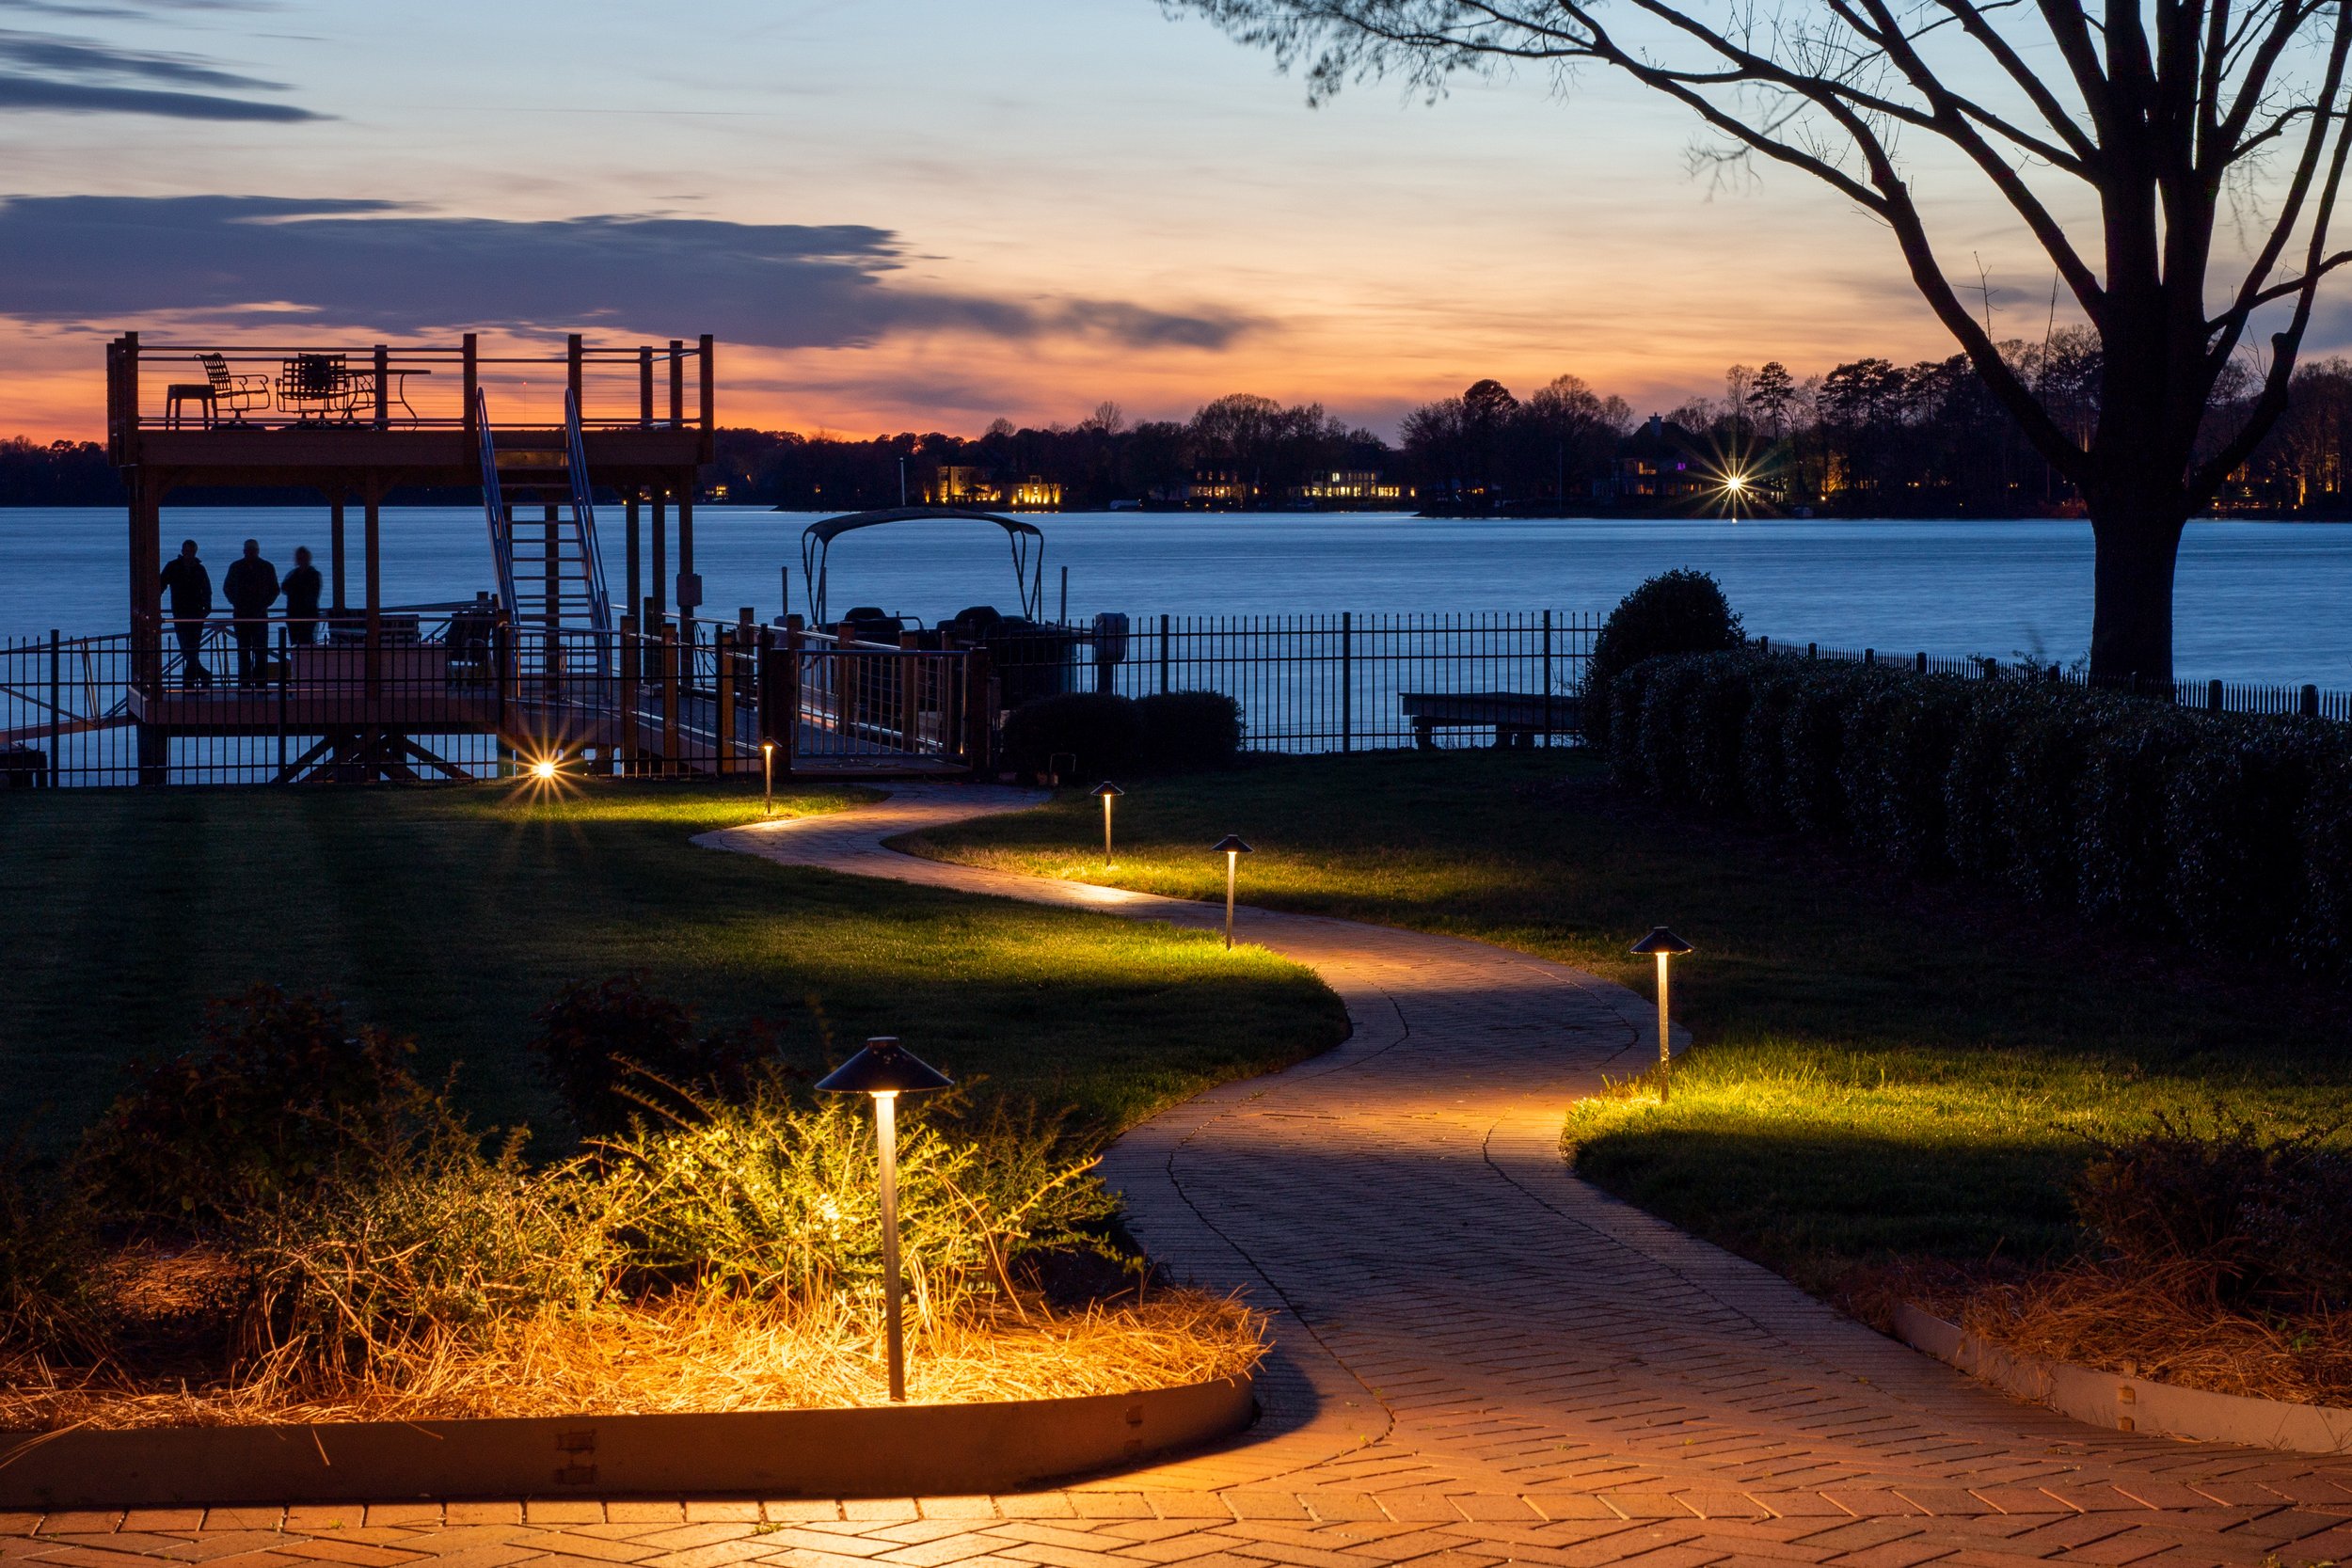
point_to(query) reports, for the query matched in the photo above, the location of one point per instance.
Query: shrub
(1675, 613)
(2322, 927)
(439, 1244)
(2235, 832)
(2122, 844)
(2255, 1216)
(768, 1196)
(614, 1048)
(2234, 820)
(50, 1296)
(282, 1098)
(2041, 798)
(1186, 730)
(1898, 758)
(1099, 730)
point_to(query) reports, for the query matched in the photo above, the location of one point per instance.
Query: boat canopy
(1027, 542)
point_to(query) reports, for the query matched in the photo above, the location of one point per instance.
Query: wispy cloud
(81, 75)
(376, 265)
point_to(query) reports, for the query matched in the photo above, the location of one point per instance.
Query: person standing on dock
(302, 586)
(191, 588)
(251, 586)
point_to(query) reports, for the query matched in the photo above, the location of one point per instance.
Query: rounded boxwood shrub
(2323, 928)
(1675, 613)
(1099, 730)
(1186, 730)
(2123, 842)
(1899, 754)
(2041, 805)
(2237, 851)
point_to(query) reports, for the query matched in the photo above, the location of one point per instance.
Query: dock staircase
(550, 574)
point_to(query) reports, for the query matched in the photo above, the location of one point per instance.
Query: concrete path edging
(2116, 1403)
(885, 1450)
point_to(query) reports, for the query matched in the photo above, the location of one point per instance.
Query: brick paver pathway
(1479, 1358)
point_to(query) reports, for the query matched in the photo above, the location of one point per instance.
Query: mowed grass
(453, 914)
(1882, 1072)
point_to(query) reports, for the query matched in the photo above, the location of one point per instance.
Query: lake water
(2257, 601)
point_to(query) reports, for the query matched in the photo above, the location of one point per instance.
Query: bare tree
(2158, 135)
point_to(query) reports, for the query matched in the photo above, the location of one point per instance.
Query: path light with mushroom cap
(887, 1069)
(1109, 792)
(1234, 849)
(1667, 945)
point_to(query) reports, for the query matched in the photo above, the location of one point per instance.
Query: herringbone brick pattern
(1479, 1360)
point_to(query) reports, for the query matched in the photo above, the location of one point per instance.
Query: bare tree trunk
(2131, 628)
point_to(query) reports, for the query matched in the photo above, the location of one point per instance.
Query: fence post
(1869, 656)
(1922, 664)
(1547, 717)
(632, 670)
(285, 671)
(1812, 650)
(1763, 644)
(2212, 696)
(722, 722)
(1348, 680)
(2311, 701)
(669, 699)
(1163, 654)
(57, 696)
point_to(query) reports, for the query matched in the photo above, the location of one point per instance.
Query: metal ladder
(551, 574)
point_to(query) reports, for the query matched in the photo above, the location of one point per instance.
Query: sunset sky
(900, 213)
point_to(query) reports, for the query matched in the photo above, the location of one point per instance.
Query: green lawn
(1884, 1070)
(452, 914)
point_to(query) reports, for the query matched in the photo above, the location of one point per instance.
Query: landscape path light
(1667, 945)
(767, 778)
(1109, 792)
(885, 1070)
(1234, 849)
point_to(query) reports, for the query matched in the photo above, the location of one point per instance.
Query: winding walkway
(1479, 1358)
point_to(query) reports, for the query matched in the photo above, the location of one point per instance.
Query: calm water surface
(2257, 601)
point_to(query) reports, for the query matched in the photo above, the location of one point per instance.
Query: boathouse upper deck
(221, 413)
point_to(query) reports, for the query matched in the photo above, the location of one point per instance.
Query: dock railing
(220, 385)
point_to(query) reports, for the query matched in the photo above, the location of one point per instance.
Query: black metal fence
(1313, 683)
(2212, 696)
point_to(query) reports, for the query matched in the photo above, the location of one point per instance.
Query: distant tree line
(1865, 438)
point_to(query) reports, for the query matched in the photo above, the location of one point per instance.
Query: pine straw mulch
(2163, 1326)
(694, 1351)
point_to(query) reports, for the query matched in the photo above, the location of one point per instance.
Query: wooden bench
(1517, 716)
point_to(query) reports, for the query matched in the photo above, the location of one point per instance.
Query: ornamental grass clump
(770, 1195)
(288, 1225)
(2221, 1258)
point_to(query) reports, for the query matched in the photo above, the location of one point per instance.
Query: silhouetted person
(302, 586)
(251, 586)
(191, 588)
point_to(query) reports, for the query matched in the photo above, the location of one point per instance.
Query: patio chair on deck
(231, 393)
(317, 385)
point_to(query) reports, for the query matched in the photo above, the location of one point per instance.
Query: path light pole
(1234, 849)
(884, 1070)
(767, 778)
(1667, 945)
(1109, 792)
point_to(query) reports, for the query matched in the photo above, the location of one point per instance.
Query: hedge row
(1170, 732)
(2232, 833)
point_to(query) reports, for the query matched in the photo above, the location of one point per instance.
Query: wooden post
(661, 584)
(371, 509)
(845, 683)
(636, 525)
(554, 585)
(669, 699)
(335, 546)
(723, 721)
(572, 356)
(787, 702)
(689, 596)
(131, 400)
(472, 386)
(678, 383)
(630, 667)
(976, 735)
(644, 388)
(709, 395)
(383, 386)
